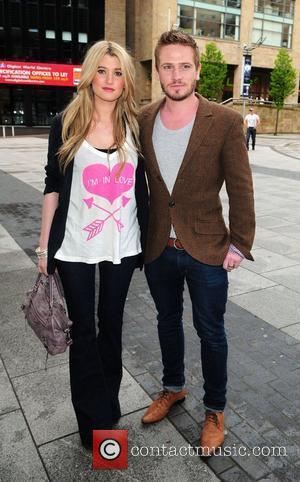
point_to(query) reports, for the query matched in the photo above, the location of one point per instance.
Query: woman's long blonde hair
(78, 115)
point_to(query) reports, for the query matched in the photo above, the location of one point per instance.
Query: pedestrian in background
(251, 121)
(94, 213)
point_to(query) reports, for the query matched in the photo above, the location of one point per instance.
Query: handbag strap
(55, 282)
(37, 282)
(51, 281)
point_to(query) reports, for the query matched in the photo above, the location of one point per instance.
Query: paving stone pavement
(39, 439)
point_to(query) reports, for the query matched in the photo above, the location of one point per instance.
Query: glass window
(5, 107)
(259, 5)
(32, 14)
(50, 34)
(257, 30)
(234, 3)
(82, 48)
(83, 25)
(272, 33)
(67, 36)
(18, 113)
(33, 50)
(209, 23)
(66, 53)
(66, 18)
(230, 30)
(276, 34)
(50, 16)
(224, 3)
(216, 2)
(278, 8)
(1, 13)
(185, 11)
(16, 39)
(2, 43)
(186, 18)
(67, 56)
(82, 38)
(286, 35)
(15, 13)
(49, 53)
(43, 105)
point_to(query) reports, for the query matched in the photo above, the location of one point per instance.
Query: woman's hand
(42, 266)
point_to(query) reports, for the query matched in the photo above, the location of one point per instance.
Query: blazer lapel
(203, 123)
(147, 131)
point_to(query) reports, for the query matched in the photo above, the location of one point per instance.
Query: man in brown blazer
(191, 147)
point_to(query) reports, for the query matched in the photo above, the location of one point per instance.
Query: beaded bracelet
(41, 253)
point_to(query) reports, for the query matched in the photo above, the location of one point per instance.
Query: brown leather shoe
(160, 407)
(213, 433)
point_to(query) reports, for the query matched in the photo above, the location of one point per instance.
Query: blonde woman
(95, 213)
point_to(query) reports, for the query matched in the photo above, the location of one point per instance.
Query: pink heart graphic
(99, 180)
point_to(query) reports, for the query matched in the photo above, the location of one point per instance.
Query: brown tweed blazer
(216, 153)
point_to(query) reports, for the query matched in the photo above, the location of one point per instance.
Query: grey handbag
(45, 312)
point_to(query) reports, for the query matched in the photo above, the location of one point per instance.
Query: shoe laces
(212, 417)
(163, 396)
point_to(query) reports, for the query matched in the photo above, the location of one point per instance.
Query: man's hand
(232, 260)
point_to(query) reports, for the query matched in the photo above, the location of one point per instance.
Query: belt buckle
(174, 245)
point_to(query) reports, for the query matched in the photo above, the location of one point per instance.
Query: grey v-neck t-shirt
(170, 146)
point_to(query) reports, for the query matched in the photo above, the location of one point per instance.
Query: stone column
(115, 21)
(164, 16)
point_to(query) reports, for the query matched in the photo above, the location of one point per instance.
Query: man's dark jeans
(208, 286)
(251, 132)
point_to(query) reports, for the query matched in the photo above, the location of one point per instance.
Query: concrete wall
(115, 21)
(289, 118)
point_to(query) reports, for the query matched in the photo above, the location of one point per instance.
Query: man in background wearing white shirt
(251, 121)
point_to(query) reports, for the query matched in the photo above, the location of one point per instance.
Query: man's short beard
(183, 96)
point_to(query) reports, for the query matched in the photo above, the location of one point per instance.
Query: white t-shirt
(101, 223)
(252, 120)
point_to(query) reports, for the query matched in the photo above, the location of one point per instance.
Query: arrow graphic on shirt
(96, 226)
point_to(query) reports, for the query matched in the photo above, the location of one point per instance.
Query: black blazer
(59, 182)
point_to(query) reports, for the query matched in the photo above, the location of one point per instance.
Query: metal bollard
(4, 130)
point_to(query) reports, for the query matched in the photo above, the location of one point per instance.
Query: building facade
(233, 25)
(43, 33)
(58, 32)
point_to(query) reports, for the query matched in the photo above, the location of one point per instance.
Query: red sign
(33, 73)
(110, 449)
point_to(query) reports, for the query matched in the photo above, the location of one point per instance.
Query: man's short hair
(176, 37)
